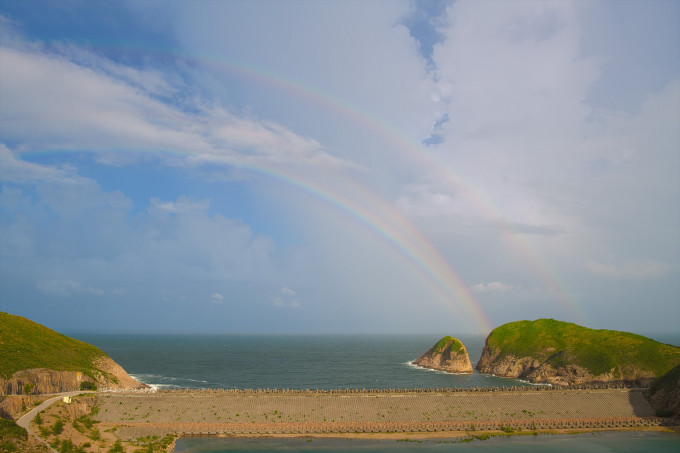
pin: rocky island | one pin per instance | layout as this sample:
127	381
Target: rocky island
448	354
35	360
561	353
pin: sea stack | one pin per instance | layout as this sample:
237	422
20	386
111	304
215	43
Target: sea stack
448	354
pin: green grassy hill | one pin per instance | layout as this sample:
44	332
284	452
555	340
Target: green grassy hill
561	343
448	342
25	344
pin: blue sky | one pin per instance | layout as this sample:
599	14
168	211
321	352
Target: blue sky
306	167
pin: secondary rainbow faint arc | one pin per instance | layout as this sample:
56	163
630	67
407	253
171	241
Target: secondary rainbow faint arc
415	151
413	245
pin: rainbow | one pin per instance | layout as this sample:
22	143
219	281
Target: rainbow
378	215
431	260
388	223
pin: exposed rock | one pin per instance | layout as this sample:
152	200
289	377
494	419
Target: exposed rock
558	353
448	354
35	359
664	394
11	407
43	380
535	371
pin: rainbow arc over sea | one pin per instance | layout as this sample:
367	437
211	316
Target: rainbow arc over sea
374	212
406	237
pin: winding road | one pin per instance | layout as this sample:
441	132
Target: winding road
25	420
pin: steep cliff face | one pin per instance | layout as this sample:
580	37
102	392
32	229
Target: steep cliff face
560	353
35	360
42	380
448	354
12	407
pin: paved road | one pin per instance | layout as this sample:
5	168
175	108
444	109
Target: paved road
25	421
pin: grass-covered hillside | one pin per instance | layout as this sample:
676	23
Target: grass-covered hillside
448	342
561	344
25	344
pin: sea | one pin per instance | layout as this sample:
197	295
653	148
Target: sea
332	362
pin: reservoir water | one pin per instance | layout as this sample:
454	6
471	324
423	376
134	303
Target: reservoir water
628	442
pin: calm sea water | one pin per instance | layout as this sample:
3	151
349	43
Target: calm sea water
289	361
285	361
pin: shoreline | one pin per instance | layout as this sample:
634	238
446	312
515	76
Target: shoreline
452	437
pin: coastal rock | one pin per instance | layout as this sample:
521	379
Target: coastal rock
35	360
43	380
448	354
664	394
559	353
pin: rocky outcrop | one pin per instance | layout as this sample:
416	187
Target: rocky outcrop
11	407
664	394
43	380
35	359
448	354
539	372
559	353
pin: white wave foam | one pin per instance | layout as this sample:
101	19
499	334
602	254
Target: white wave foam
157	381
418	367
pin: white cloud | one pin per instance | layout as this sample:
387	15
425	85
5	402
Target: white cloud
16	170
278	302
84	102
491	287
526	181
66	288
284	299
217	298
631	270
76	227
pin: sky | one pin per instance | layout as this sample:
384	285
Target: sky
340	166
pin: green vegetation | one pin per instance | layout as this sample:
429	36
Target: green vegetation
117	447
12	436
10	431
26	344
154	444
663	393
67	446
598	351
448	342
666	382
87	385
58	427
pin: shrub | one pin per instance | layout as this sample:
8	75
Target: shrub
87	385
117	447
94	434
10	430
8	447
58	428
28	388
663	413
